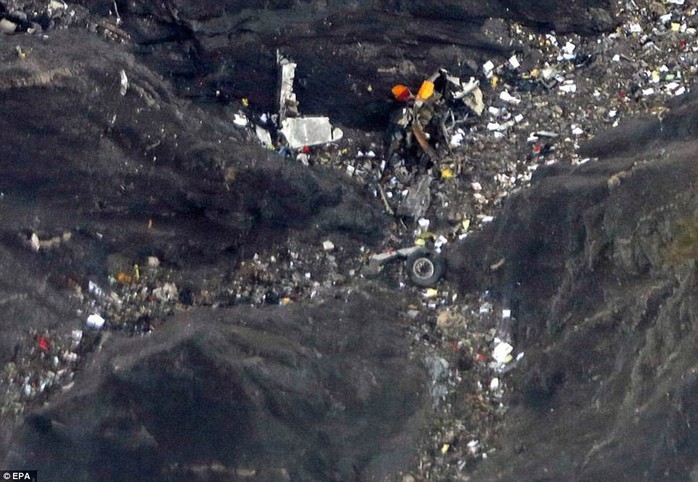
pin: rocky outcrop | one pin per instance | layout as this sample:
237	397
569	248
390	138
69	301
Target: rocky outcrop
137	171
103	161
321	392
600	270
225	51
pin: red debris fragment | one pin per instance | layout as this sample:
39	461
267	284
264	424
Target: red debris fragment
401	93
43	344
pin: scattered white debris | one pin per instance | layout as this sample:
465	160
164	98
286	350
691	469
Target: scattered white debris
634	28
95	321
507	97
309	131
69	357
440	241
494	384
457	138
95	290
123	82
240	119
552	39
166	292
264	137
34	242
502	351
568	51
568	86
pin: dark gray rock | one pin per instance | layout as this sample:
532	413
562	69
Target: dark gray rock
288	393
224	51
82	158
600	272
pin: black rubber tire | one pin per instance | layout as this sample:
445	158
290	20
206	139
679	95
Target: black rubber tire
425	269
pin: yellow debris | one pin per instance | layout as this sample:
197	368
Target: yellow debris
445	448
431	293
446	172
426	90
494	81
420	242
245	102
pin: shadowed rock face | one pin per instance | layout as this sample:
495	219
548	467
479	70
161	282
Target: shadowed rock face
218	51
287	393
600	265
147	173
81	157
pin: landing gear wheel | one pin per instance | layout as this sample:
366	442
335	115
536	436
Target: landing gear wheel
425	269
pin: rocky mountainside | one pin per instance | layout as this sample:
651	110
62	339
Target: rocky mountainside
180	303
290	393
600	265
